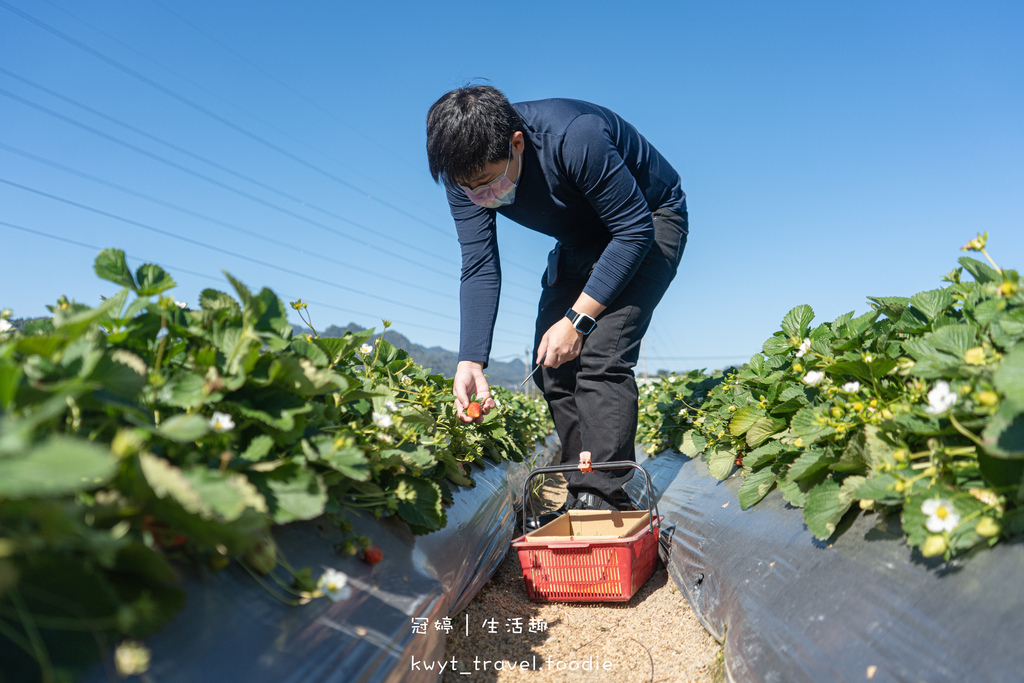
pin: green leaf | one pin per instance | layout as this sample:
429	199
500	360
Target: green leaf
183	428
153	280
808	463
1003	472
300	376
757	363
932	303
424	513
982	272
350	461
121	372
805	424
755	486
214	300
1009	376
763	454
59	466
762	429
410	455
111	265
796	322
988	311
743	418
824	508
795	491
10	379
1003	435
891	306
195	501
792	399
721	463
879	487
259	448
917	425
244	294
209	494
693	443
776	345
954	339
854	368
293	492
186	391
311	351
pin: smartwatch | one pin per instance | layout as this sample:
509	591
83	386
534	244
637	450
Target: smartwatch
583	323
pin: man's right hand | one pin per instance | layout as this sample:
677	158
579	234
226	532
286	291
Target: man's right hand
469	380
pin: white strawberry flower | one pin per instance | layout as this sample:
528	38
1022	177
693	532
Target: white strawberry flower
5	326
805	346
181	304
940	399
221	422
851	387
382	420
390	406
366	349
942	515
334	584
814	377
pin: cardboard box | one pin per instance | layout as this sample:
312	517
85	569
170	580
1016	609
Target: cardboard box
591	525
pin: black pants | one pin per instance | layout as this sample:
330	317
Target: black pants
593	399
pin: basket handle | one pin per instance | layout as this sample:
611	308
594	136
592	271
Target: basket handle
652	505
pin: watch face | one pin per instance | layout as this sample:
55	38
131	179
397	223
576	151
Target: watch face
585	324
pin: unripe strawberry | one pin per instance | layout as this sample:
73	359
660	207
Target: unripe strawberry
262	557
933	545
987	527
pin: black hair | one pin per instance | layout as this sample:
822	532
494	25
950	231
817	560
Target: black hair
468	128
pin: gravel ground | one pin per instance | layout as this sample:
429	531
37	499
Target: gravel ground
653	637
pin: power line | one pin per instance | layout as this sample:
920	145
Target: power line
224	121
205	160
230	226
280	82
224	186
177	269
139	150
211	114
228	252
221	250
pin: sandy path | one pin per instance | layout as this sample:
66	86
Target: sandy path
653	637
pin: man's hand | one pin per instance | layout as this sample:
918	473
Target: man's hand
469	380
560	344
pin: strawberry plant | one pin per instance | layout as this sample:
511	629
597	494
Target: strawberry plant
141	438
914	408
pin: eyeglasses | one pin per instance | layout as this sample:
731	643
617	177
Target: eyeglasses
485	194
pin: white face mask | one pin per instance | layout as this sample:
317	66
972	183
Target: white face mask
499	192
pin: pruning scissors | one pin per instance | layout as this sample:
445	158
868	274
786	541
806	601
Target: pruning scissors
534	371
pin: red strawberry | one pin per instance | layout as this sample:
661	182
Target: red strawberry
474	410
373	555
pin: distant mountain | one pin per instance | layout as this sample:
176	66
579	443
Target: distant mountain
441	361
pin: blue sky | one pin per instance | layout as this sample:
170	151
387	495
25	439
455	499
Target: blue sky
829	151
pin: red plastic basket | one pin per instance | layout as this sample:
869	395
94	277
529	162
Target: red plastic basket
606	570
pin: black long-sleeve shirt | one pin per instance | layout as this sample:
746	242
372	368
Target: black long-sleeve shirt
588	178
